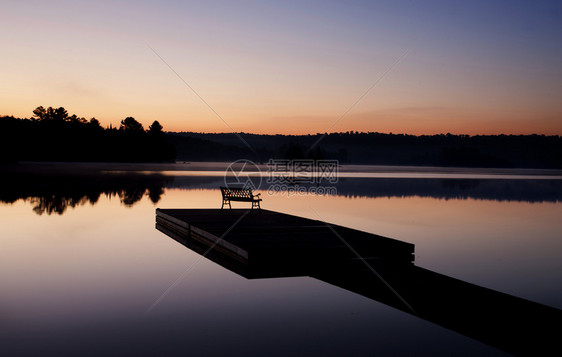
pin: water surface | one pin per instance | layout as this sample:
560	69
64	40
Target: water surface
82	266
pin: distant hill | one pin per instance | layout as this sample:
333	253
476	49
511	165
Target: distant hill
522	151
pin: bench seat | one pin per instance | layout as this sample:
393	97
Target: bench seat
239	194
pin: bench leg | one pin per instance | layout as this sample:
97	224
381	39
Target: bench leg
224	201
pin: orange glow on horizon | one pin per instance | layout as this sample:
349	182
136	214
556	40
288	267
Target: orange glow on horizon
383	122
420	126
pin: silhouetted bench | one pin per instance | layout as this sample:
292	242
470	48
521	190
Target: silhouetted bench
239	194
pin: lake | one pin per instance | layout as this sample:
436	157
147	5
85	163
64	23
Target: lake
84	271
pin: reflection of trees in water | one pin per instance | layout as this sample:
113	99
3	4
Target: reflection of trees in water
56	204
460	189
54	194
155	193
129	198
59	203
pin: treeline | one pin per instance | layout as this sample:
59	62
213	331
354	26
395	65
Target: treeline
509	151
54	135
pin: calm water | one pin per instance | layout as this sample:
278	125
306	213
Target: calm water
83	270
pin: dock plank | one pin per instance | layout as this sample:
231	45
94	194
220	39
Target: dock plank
268	233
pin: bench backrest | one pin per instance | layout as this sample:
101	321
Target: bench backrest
236	192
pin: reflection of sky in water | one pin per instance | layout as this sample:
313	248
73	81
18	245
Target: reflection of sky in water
88	276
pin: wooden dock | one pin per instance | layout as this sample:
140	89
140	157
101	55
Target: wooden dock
267	244
265	241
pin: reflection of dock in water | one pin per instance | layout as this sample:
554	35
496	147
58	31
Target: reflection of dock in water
266	244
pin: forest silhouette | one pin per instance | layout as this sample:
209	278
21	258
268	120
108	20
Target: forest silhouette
54	135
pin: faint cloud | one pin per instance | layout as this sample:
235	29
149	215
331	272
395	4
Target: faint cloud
78	89
409	110
69	87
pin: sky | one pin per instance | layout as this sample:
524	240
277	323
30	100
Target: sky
289	67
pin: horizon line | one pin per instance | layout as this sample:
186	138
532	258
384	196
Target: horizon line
355	132
111	125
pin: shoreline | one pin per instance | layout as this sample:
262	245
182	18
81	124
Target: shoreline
202	168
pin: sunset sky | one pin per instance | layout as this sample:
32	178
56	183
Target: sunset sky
290	67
